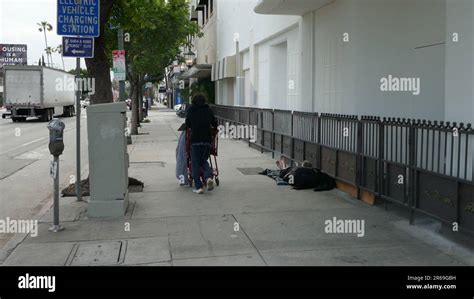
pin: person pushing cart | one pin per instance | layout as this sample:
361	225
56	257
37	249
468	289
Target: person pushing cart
201	123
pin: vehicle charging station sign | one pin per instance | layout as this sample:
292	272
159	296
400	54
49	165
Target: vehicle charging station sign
78	17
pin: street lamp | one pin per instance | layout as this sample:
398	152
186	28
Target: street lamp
189	56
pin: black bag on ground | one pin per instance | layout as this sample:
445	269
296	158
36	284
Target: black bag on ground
307	178
325	182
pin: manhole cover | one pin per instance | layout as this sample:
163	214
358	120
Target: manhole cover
98	254
250	170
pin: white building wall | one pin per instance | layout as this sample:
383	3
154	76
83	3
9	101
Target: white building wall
382	36
205	46
459	100
460	61
333	59
236	16
278	74
402	38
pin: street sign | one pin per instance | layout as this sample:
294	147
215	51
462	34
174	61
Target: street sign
12	54
78	47
81	19
119	65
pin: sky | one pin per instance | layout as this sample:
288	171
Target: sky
18	25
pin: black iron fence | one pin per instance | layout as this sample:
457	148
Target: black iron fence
422	165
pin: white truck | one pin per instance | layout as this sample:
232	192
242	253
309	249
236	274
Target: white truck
38	91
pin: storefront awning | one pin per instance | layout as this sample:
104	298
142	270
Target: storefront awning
198	71
288	7
224	68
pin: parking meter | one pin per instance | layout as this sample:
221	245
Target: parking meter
56	147
56	130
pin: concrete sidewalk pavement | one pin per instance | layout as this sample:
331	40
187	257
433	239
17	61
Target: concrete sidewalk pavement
247	220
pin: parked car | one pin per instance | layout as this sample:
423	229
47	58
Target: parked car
129	103
182	110
177	107
85	103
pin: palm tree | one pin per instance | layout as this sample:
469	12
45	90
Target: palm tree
43	27
59	50
49	52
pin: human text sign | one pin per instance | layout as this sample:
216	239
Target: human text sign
78	47
79	17
11	54
119	66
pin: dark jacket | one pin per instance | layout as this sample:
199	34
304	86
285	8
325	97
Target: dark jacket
200	119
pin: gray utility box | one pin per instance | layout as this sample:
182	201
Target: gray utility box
108	160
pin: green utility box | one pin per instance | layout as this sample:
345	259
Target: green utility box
108	160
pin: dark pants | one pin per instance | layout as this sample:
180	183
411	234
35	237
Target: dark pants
199	155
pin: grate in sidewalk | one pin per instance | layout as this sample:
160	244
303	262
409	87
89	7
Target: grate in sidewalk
97	253
250	170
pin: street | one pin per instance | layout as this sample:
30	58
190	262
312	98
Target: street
25	184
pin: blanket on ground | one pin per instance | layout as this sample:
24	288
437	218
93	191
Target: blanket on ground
275	174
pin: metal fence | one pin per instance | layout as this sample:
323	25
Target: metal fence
422	165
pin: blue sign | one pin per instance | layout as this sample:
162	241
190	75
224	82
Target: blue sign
79	17
179	100
78	47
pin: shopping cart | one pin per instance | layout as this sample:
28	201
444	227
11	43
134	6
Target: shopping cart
212	159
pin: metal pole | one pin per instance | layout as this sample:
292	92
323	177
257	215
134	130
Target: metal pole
121	47
238	75
78	133
56	227
56	192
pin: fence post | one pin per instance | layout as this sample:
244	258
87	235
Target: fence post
249	125
319	154
262	132
412	172
273	134
292	140
359	161
380	177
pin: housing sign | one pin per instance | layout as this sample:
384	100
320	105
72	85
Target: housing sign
11	54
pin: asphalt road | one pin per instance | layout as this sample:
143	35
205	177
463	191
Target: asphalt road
25	184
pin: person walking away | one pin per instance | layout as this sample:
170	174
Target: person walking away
200	119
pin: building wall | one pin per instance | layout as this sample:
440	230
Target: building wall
382	37
205	46
255	35
278	71
402	38
459	100
460	61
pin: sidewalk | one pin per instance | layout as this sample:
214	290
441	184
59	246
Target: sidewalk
169	225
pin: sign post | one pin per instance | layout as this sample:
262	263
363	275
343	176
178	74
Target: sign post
79	19
121	82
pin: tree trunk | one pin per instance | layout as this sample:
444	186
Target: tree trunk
99	66
140	100
134	96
